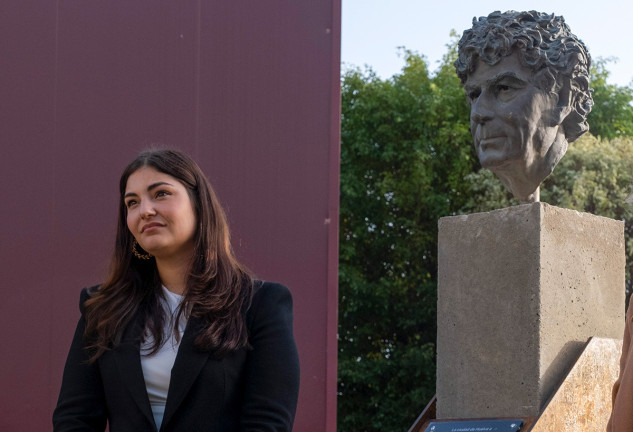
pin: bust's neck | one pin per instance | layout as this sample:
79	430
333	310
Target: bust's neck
523	179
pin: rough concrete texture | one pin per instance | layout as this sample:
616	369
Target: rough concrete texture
520	291
583	400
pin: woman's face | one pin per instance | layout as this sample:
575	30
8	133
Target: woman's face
160	214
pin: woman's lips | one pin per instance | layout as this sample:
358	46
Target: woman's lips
151	226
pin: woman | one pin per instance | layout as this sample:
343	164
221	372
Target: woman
179	338
621	419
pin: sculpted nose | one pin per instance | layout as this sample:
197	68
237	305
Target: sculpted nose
480	112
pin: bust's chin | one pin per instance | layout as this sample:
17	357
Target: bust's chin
519	177
495	164
523	187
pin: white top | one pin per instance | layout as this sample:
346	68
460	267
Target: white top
157	367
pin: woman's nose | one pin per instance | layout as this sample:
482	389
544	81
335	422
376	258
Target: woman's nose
147	208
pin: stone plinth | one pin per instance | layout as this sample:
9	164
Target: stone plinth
520	291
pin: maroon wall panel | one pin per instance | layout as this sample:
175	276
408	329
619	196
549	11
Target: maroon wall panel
250	89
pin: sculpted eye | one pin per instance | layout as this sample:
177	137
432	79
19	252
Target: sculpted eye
473	95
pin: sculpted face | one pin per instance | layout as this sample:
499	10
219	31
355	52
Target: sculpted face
516	132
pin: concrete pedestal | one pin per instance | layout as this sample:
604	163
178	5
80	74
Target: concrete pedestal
520	291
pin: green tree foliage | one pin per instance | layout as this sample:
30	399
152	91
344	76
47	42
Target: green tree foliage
596	176
612	113
405	151
407	160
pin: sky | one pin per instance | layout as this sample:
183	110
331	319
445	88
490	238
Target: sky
372	30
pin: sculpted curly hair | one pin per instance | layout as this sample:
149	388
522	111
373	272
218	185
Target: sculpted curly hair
545	44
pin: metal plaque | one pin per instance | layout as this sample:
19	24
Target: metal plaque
476	426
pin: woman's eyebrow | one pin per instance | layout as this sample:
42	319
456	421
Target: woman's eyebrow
157	184
149	188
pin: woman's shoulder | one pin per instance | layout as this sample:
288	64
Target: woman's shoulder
261	287
269	291
269	296
85	294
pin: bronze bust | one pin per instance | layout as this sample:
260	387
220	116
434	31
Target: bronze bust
526	78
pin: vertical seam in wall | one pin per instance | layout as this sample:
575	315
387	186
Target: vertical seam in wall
197	71
56	70
333	216
51	310
541	218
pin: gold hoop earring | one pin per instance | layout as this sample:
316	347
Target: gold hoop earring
137	254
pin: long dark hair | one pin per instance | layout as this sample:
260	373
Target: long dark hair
219	289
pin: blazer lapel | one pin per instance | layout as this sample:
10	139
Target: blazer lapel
128	360
187	366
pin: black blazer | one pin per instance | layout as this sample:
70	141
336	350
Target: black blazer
248	390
